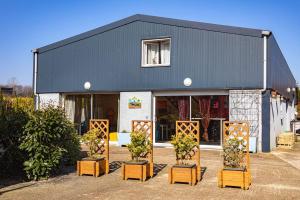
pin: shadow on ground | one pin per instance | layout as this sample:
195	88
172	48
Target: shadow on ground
113	166
17	187
203	170
158	168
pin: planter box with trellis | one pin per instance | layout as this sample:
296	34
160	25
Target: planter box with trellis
140	147
186	144
97	139
236	169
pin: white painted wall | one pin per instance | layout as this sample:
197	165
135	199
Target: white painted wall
281	115
275	120
127	115
49	98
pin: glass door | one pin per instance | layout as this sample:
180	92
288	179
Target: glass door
169	109
105	106
211	111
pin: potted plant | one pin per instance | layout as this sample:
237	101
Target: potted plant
235	171
137	167
233	153
185	146
123	138
95	164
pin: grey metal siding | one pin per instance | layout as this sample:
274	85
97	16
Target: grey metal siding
266	144
279	75
111	61
158	20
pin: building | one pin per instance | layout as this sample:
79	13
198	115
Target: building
6	91
161	69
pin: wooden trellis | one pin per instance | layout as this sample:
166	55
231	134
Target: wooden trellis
236	177
191	127
103	149
238	130
146	127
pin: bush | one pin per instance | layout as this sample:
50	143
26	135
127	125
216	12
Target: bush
24	103
234	153
92	140
184	144
49	139
139	146
14	115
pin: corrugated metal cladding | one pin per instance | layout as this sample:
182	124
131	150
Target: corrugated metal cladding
279	76
111	61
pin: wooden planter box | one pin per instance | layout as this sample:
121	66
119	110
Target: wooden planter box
88	166
235	178
286	140
183	174
136	170
297	137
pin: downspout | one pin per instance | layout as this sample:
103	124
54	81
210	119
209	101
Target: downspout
35	95
265	35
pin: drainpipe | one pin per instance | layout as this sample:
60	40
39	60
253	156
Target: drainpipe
265	35
35	63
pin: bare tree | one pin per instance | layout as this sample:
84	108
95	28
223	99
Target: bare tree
19	90
12	82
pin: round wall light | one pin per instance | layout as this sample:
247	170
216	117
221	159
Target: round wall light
281	98
87	85
288	90
187	82
293	89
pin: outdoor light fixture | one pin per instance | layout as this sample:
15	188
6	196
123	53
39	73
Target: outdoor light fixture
288	90
293	89
187	82
281	98
87	85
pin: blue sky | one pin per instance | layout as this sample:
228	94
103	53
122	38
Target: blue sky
28	24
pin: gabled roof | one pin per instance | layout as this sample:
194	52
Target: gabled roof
157	20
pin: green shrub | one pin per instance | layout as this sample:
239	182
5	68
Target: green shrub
139	146
24	103
49	139
92	141
234	153
13	117
184	144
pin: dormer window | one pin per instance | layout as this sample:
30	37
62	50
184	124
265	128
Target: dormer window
156	52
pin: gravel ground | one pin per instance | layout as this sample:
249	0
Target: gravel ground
275	176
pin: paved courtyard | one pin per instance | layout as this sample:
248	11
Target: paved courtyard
275	175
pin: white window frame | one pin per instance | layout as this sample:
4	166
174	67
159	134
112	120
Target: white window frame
143	55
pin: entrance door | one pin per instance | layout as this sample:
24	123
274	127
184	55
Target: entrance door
105	106
81	108
168	110
211	111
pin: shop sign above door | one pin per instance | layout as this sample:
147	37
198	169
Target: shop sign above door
134	103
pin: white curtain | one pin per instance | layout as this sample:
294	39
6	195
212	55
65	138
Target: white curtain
70	107
152	53
165	52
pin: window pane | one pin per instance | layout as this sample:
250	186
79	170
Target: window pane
168	110
211	111
105	106
152	53
78	109
165	52
156	52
